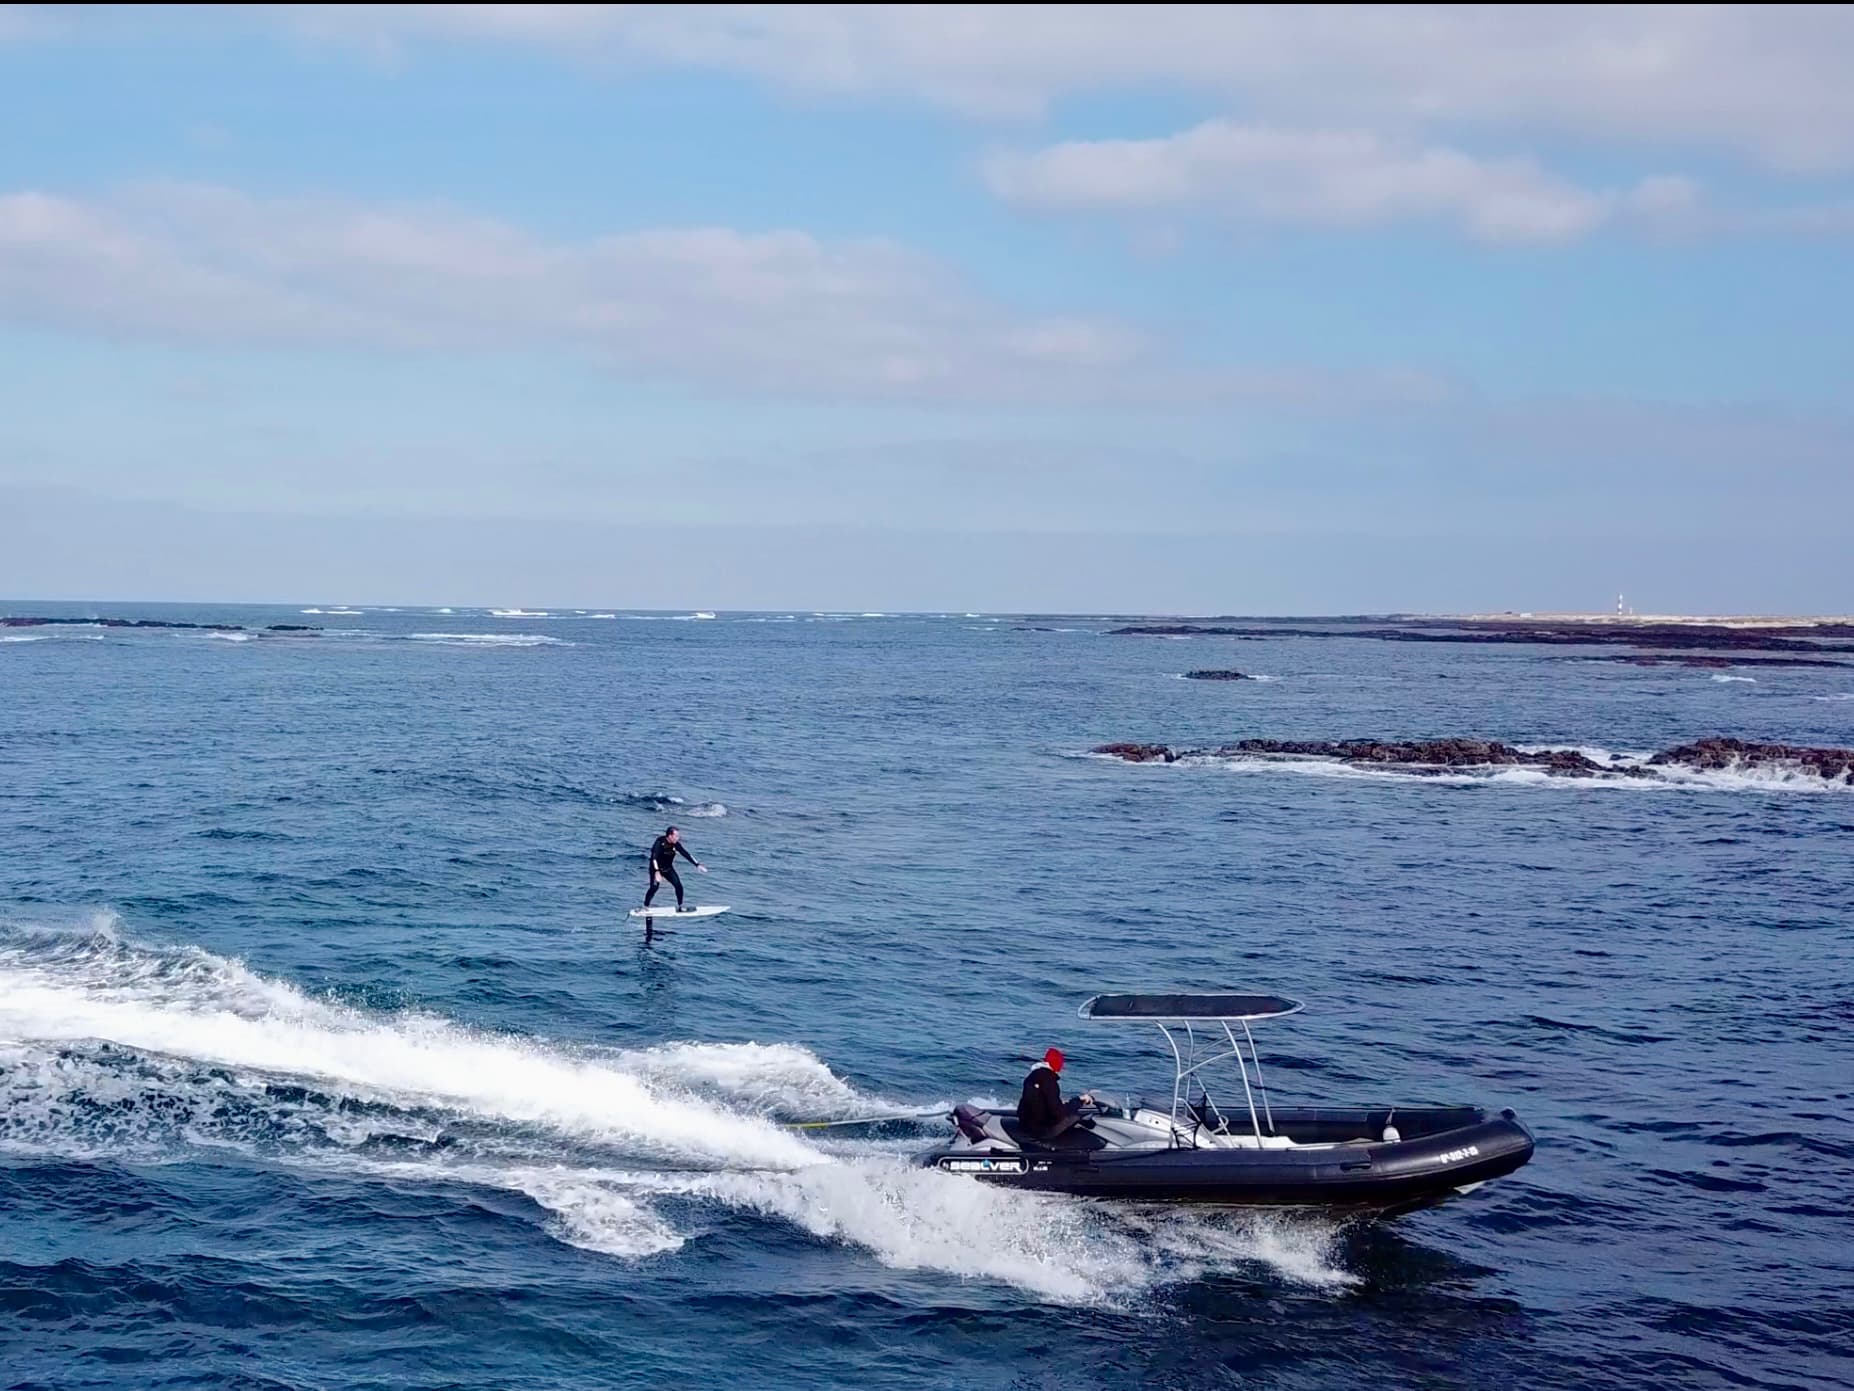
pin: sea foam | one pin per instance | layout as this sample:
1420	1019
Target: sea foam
111	1050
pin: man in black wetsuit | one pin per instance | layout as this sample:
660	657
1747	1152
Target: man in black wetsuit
1041	1111
663	852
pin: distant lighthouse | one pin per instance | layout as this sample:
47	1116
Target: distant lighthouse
1619	609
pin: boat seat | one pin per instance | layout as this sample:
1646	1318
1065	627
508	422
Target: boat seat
971	1123
987	1129
1249	1140
1079	1136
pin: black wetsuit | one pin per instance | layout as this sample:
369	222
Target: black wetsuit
1041	1110
663	861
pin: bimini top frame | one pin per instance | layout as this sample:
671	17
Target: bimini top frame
1169	1012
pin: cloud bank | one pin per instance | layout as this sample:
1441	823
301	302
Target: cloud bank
1767	83
780	312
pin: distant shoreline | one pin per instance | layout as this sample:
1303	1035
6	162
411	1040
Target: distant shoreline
20	612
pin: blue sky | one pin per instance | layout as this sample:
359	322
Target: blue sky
1111	308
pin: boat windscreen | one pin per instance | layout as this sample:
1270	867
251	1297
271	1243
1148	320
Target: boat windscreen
1180	1009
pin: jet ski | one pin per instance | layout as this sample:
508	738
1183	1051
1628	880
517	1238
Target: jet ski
1189	1148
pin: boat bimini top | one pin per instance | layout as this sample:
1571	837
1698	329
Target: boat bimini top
1189	1013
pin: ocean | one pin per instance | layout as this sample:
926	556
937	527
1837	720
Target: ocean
329	1059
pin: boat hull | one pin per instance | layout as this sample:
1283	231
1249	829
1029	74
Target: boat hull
1385	1178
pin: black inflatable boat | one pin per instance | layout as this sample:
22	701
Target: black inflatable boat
1379	1160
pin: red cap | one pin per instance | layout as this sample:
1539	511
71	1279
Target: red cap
1054	1058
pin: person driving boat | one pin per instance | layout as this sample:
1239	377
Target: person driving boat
1041	1111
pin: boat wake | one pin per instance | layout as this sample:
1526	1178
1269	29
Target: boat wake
113	1050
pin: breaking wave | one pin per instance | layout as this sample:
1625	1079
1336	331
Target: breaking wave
113	1050
1620	770
489	639
1662	779
663	801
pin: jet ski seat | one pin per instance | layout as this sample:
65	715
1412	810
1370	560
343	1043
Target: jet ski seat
971	1123
1080	1136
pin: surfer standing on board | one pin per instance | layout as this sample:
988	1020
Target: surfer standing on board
663	852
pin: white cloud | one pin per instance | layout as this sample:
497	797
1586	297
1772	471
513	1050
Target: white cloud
1675	207
1768	81
1304	177
1353	179
782	312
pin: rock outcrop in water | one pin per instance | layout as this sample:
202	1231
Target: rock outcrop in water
33	622
1138	753
1194	630
1213	675
1422	754
1642	659
1833	765
1431	756
1653	636
36	621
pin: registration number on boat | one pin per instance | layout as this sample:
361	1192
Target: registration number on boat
1455	1156
983	1166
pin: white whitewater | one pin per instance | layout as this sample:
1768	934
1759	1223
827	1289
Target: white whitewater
110	1049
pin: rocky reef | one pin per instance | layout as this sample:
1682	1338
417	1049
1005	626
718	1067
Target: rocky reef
1643	659
35	621
1832	765
1653	636
1432	756
1138	753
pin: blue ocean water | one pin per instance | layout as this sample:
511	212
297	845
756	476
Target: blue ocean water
328	1058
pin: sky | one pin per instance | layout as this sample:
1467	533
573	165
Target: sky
1039	308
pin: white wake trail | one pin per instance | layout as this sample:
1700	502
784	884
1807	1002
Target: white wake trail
214	1011
115	1051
